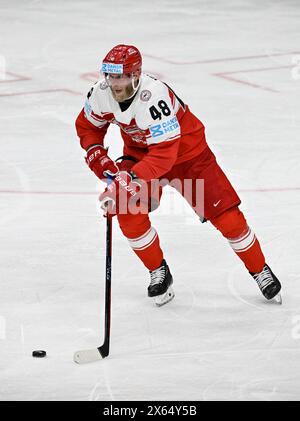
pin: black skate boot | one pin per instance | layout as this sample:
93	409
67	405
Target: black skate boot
160	285
268	283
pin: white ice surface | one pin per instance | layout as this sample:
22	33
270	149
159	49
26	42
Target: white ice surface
218	339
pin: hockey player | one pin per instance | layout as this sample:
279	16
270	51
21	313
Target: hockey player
162	139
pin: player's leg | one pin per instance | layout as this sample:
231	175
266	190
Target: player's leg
142	238
219	204
230	221
144	241
233	226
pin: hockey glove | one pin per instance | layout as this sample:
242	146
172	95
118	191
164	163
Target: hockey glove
100	163
122	195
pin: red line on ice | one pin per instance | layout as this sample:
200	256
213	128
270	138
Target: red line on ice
18	78
69	91
226	75
217	60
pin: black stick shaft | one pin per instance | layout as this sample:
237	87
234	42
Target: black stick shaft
108	279
104	349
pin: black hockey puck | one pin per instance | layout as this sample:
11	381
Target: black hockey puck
39	354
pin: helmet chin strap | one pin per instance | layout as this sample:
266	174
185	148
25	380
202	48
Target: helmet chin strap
134	88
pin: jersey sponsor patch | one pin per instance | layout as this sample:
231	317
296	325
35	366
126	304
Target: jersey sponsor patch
145	95
167	127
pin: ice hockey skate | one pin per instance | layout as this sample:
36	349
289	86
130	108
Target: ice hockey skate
160	285
268	284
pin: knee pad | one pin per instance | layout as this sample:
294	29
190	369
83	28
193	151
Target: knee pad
230	223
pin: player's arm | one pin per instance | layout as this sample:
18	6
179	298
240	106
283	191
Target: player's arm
163	140
88	133
91	130
158	161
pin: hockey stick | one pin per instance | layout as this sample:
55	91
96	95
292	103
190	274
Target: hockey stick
95	354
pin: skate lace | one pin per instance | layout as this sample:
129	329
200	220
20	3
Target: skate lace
263	278
157	276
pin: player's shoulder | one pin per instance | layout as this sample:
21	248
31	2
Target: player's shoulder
152	89
153	103
98	94
100	87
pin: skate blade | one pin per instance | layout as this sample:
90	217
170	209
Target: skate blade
277	298
165	298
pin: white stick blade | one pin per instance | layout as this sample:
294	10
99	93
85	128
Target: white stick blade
87	356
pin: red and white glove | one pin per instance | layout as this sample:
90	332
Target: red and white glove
121	195
100	163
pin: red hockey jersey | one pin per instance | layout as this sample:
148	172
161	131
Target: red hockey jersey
158	129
